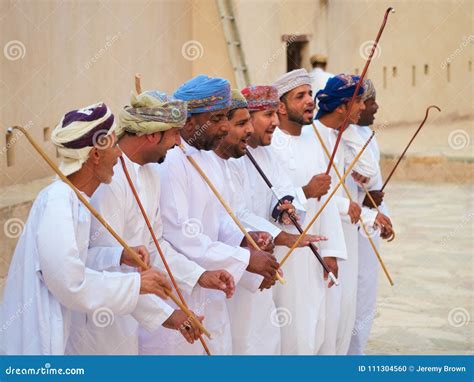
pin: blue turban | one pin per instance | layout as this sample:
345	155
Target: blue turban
338	90
204	94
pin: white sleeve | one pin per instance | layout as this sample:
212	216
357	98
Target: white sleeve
331	227
151	312
282	185
198	247
342	204
66	275
242	210
353	142
251	281
104	258
185	271
105	200
368	215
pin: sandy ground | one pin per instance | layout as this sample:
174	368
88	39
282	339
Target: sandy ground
430	309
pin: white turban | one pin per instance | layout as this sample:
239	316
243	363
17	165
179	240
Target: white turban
292	80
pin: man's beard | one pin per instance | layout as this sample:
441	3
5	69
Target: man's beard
162	159
299	119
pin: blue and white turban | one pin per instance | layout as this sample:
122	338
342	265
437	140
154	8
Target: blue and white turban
338	90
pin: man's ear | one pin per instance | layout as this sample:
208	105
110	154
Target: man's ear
94	156
281	108
341	109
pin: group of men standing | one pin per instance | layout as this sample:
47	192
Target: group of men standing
68	271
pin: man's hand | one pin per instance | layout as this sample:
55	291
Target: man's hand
267	284
287	209
384	223
318	186
152	281
354	212
186	326
288	239
376	195
128	259
331	262
219	280
263	240
359	178
262	263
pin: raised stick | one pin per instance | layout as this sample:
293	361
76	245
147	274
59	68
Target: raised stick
297	242
157	245
372	244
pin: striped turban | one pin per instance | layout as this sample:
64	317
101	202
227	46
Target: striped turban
369	90
79	131
238	101
151	112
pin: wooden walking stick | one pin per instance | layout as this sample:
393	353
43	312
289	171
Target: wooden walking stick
372	244
409	143
94	212
249	238
345	123
293	219
349	170
157	245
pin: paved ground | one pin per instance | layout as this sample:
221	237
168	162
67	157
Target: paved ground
430	309
442	137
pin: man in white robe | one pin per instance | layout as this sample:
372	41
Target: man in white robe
255	329
319	75
194	221
302	159
49	277
145	137
368	264
333	102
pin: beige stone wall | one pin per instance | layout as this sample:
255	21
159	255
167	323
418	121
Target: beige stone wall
60	55
420	33
63	54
